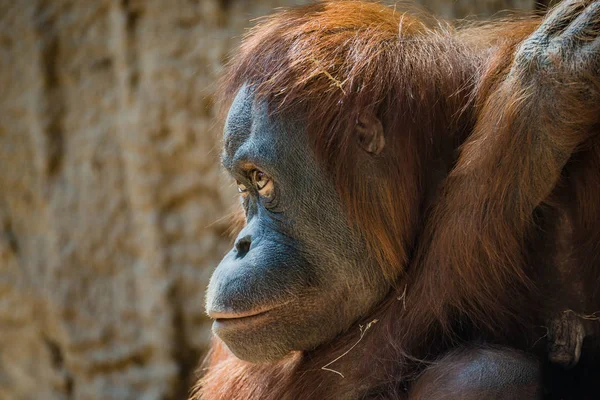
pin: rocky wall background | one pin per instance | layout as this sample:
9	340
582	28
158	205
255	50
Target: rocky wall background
111	198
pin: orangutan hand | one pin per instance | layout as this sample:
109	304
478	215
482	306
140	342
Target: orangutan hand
561	59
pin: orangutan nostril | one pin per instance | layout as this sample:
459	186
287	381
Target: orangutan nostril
242	246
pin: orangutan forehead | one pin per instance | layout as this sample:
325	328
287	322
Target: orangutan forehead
253	135
238	125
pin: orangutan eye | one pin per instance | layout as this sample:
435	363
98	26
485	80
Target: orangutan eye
241	187
260	179
262	183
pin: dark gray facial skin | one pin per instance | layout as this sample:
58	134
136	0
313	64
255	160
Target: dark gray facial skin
297	275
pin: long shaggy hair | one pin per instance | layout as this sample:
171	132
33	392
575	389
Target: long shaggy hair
426	82
339	59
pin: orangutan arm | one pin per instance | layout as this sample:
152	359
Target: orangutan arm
534	114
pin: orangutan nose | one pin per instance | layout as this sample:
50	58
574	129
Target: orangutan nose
242	246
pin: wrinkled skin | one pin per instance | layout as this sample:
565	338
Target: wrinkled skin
296	256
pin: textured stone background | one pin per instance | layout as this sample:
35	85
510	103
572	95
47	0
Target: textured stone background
111	199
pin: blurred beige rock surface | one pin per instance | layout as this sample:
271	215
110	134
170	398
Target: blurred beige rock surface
111	198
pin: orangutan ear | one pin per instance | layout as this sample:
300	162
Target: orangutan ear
369	133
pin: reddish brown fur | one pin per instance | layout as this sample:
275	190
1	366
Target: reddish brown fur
318	58
336	59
